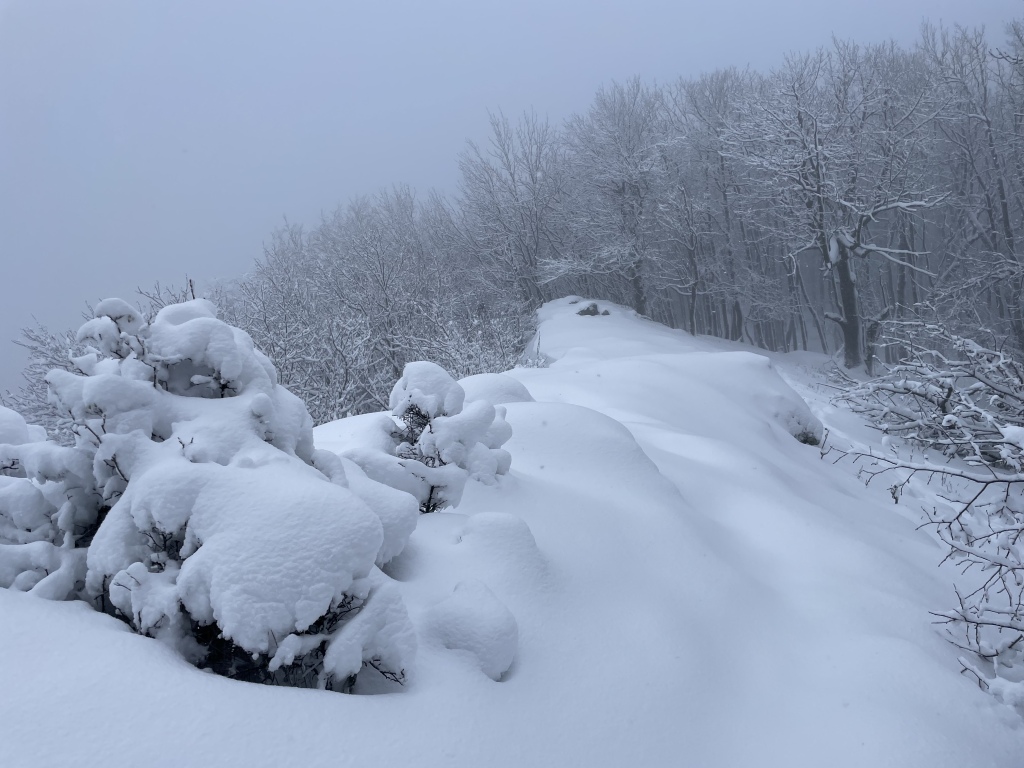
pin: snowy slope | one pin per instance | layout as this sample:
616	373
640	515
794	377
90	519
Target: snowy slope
691	586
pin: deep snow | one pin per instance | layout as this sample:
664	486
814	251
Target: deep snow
681	582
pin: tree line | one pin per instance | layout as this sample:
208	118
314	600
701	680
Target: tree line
797	209
800	208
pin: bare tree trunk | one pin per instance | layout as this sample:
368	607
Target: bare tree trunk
851	322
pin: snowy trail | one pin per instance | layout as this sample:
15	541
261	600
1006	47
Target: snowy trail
826	648
693	587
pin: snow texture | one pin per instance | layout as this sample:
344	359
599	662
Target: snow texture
473	620
495	388
690	586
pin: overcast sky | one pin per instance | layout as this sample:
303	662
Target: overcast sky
143	141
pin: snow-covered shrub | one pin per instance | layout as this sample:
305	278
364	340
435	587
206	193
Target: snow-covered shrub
48	350
341	308
222	531
433	441
49	511
961	405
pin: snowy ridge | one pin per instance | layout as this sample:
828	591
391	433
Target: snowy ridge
675	578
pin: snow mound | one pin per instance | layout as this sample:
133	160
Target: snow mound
753	380
662	572
503	547
495	388
473	620
396	510
665	374
13	429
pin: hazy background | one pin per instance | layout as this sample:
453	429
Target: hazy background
144	141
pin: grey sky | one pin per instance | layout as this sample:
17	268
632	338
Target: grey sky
144	141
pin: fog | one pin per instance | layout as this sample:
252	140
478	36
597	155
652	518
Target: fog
143	142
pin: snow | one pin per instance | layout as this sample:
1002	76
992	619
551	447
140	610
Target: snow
13	429
272	559
473	620
397	511
664	577
495	388
427	387
1013	434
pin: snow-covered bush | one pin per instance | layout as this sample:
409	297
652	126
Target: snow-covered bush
48	350
432	442
221	530
961	405
341	308
49	511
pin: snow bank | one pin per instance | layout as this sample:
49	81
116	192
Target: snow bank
473	620
688	583
495	388
13	429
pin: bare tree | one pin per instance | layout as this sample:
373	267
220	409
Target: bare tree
615	155
828	144
512	199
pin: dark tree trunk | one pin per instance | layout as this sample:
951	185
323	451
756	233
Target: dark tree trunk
636	284
852	356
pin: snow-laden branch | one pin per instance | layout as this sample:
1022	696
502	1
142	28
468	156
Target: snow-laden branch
961	405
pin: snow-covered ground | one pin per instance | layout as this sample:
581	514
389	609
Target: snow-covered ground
690	584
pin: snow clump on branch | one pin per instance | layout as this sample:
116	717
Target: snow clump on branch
961	406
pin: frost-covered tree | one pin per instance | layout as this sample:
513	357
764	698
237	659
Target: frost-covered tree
979	161
614	151
513	207
835	141
340	309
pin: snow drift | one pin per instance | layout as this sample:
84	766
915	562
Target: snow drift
665	576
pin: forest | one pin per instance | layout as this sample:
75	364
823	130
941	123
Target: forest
819	206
